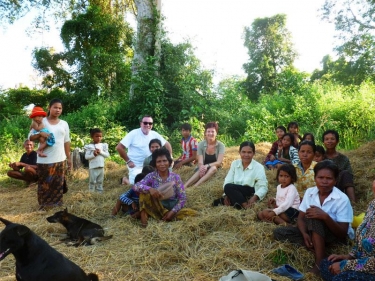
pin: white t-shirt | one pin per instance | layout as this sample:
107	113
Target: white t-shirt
285	198
336	205
137	144
56	153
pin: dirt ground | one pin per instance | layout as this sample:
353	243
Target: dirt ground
205	247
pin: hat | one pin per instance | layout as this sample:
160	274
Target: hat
37	111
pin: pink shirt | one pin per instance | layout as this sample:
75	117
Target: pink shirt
285	198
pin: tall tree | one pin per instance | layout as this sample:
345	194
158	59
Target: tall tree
270	50
355	25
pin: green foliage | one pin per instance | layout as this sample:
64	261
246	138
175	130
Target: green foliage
270	50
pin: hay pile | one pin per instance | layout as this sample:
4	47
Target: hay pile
206	247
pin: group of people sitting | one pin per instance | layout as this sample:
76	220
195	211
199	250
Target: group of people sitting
312	203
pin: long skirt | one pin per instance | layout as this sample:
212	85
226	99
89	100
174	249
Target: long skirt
51	184
157	209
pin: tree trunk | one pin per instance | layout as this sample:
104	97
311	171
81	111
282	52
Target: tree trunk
148	34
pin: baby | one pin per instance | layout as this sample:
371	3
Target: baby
37	126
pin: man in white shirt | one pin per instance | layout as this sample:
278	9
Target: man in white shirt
134	147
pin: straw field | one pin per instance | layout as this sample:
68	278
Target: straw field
205	247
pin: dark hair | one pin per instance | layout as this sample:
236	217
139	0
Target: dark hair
247	143
154	141
186	127
327	164
212	125
27	141
148	116
139	177
94	131
147	169
333	132
160	152
293	123
308	134
281	128
291	136
52	102
307	142
287	168
320	149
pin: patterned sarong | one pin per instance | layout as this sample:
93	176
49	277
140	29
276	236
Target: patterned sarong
51	183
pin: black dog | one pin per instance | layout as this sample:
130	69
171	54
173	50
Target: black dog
35	259
81	231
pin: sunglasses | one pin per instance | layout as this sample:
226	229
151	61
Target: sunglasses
147	123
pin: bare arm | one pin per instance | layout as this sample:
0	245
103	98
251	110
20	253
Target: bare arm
67	154
169	148
121	149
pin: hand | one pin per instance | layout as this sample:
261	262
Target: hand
169	216
69	164
271	203
226	201
334	257
335	268
202	170
131	164
307	240
134	206
177	166
315	212
155	193
44	135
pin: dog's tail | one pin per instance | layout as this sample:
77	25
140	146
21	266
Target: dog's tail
93	277
99	239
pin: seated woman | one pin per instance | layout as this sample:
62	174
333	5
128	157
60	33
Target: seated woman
246	181
162	193
305	167
210	156
271	156
325	215
359	264
345	180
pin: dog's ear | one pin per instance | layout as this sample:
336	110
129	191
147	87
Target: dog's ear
23	230
4	221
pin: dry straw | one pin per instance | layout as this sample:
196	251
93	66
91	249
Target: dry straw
205	247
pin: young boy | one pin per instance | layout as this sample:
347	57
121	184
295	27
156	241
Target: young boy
37	126
189	148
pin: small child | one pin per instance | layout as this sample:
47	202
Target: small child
309	137
285	206
320	154
293	129
271	156
96	152
128	201
37	127
189	148
286	154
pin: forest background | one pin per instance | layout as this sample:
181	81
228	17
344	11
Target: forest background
110	75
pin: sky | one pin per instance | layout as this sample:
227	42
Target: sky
214	27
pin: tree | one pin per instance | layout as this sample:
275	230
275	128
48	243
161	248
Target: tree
96	59
270	50
355	25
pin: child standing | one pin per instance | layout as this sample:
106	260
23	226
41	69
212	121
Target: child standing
96	152
271	156
189	148
285	205
37	126
293	128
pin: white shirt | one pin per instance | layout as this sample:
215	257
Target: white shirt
56	153
137	144
285	198
98	160
336	205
